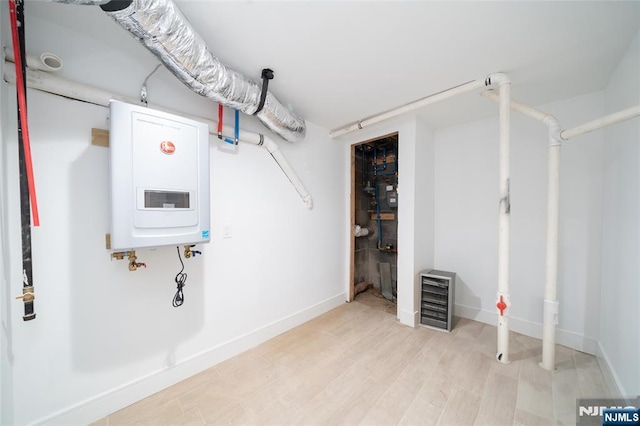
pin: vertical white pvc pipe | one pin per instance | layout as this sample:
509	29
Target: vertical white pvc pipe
551	304
550	316
503	302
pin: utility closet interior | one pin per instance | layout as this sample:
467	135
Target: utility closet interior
375	183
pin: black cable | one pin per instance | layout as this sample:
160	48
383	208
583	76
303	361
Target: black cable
267	75
25	205
181	280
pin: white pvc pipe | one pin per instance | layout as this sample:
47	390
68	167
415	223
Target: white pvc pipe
504	303
360	231
601	122
279	158
550	316
437	97
45	62
517	106
608	120
551	304
69	89
55	85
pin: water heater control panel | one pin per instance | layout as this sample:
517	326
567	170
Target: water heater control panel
159	165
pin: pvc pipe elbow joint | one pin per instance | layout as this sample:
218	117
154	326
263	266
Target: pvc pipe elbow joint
270	145
308	201
555	137
497	78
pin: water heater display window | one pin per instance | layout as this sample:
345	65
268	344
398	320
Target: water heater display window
166	200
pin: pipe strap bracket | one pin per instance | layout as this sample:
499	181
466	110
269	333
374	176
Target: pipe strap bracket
550	315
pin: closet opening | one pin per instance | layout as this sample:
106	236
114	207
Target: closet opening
374	222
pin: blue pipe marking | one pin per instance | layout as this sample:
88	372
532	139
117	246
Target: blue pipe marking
378	215
237	129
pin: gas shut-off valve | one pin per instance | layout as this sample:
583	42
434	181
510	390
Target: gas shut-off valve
131	256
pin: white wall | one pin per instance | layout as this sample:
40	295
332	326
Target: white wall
620	316
105	337
424	220
414	245
6	383
466	219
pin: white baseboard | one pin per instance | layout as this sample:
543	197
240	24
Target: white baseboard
609	373
102	405
408	317
566	338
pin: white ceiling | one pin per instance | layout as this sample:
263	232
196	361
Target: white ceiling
338	62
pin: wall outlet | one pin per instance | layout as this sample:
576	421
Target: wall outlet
226	231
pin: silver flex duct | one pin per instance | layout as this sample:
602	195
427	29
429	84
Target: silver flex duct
162	28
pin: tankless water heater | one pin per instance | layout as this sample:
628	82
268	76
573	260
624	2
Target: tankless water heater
159	178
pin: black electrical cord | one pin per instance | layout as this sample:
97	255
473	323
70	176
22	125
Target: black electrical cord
267	75
17	11
181	280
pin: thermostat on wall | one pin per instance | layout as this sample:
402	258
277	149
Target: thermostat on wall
159	178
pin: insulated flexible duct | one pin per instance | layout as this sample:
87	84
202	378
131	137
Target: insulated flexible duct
162	28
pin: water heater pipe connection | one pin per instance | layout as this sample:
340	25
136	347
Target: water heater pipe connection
188	253
131	257
49	83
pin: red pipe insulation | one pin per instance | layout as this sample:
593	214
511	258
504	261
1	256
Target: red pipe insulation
22	106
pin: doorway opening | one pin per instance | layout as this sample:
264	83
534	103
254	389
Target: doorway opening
374	222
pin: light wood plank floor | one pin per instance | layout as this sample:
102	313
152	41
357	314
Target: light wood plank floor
357	365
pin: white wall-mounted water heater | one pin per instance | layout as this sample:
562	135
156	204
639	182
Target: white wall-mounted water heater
159	178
